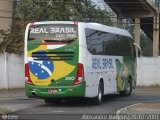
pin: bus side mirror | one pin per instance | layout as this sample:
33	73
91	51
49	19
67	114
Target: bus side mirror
138	50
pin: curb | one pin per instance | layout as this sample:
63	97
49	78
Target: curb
125	108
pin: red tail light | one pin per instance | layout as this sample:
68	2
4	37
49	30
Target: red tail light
27	76
80	74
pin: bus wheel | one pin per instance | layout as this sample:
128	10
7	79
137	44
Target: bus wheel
98	99
128	90
49	101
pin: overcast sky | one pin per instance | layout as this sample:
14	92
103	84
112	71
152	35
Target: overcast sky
99	3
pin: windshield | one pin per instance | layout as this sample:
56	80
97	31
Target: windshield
54	32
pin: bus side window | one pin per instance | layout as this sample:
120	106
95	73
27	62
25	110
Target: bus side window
94	41
109	44
105	43
123	47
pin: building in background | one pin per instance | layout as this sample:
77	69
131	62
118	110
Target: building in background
6	14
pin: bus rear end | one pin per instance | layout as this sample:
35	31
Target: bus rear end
52	69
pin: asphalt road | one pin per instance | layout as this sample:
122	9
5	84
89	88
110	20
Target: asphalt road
27	108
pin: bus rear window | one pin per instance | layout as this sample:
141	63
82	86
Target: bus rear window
53	32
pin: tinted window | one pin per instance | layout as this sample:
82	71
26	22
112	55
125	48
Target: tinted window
94	41
103	43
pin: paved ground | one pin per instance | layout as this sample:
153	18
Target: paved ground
143	100
12	93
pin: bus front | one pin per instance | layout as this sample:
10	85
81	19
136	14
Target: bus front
52	69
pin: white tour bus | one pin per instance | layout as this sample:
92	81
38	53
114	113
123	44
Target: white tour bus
76	59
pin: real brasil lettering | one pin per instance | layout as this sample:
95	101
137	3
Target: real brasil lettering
102	63
66	30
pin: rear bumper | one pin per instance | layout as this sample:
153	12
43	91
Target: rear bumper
65	91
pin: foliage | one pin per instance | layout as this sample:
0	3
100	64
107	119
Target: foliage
61	10
50	10
12	40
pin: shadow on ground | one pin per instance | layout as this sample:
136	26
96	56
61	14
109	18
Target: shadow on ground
81	102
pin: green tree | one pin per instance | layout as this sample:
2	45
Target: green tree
49	10
61	10
12	40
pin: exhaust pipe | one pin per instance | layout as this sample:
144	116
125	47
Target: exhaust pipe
34	93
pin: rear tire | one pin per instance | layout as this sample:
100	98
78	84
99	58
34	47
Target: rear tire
128	90
98	99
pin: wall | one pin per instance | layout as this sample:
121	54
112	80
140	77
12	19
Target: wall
6	12
15	71
2	81
15	66
148	71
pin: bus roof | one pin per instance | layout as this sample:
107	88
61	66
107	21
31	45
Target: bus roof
96	26
106	28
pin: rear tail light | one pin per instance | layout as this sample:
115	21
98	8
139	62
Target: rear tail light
80	74
27	76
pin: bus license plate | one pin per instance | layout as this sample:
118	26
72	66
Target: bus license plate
51	90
